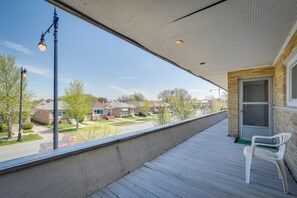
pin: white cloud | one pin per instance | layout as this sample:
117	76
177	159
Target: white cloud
125	91
122	90
17	47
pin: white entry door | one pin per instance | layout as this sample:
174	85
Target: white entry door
255	107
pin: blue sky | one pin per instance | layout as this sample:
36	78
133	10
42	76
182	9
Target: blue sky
108	66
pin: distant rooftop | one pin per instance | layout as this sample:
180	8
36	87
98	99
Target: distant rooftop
50	106
116	104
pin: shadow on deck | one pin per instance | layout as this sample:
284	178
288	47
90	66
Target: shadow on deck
209	164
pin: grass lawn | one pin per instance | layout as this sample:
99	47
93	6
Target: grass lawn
28	131
61	126
4	134
123	123
145	119
25	138
131	118
92	133
104	121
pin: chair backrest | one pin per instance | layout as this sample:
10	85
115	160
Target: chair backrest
283	139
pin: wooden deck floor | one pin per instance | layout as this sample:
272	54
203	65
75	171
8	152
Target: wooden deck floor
207	165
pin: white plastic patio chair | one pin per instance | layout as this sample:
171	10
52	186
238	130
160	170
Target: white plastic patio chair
274	157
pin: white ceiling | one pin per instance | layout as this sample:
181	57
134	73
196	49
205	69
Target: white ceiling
231	35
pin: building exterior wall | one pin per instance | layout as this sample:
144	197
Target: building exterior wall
116	112
285	118
137	110
233	93
286	121
42	116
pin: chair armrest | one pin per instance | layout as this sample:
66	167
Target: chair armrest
262	137
262	144
254	144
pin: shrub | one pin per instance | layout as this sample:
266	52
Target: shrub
81	119
3	127
27	125
127	116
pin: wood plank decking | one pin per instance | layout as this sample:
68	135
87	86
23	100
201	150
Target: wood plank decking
207	165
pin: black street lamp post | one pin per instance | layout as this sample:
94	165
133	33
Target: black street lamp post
42	47
23	75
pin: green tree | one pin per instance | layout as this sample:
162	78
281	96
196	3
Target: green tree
77	104
123	98
137	96
165	95
217	105
183	106
163	117
10	92
146	107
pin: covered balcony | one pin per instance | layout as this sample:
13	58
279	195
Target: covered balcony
208	164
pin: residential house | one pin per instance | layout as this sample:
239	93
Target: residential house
119	109
98	110
138	106
155	106
44	113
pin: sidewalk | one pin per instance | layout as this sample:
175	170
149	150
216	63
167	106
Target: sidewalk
27	148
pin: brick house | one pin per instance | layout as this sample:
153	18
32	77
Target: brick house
138	106
98	110
119	109
44	113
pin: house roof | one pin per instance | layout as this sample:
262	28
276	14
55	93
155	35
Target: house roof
117	104
218	36
98	105
50	106
154	103
137	103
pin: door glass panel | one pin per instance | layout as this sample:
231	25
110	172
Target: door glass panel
255	115
255	91
294	82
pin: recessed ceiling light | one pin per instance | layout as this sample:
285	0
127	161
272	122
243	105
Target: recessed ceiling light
202	63
178	42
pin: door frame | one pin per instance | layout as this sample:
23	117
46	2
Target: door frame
270	102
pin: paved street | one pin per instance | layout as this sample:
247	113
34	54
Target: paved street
28	148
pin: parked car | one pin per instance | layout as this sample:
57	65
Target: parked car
140	114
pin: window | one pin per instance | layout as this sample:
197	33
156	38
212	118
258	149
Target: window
98	112
291	64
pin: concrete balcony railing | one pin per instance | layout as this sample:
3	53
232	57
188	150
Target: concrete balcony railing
81	170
